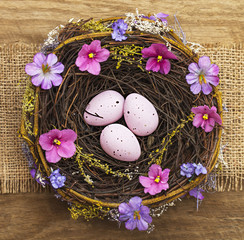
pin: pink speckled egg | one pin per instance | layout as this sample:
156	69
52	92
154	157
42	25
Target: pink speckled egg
140	115
104	108
120	143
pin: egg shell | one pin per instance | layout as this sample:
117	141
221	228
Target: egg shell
140	115
120	143
104	108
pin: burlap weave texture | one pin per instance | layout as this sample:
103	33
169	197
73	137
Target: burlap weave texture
14	172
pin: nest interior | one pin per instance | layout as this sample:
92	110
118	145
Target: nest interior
63	107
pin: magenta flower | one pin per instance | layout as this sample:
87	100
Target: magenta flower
134	214
45	70
158	55
90	56
206	117
202	75
157	180
58	144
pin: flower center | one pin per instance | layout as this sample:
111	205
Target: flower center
205	116
57	142
45	68
157	179
159	58
202	78
91	55
137	215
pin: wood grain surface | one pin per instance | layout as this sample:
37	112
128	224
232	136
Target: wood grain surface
204	21
41	216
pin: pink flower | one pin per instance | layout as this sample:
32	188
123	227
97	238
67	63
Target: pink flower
45	70
206	117
156	180
58	144
90	56
158	55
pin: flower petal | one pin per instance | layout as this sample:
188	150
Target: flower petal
152	64
197	120
162	15
209	125
56	79
51	59
214	80
142	225
94	67
194	68
196	88
164	175
200	109
66	149
145	181
169	55
52	155
130	224
144	212
46	142
204	63
32	69
84	51
82	63
102	55
95	46
154	171
216	118
68	135
149	52
39	59
124	208
206	88
165	66
55	133
57	68
46	83
135	203
37	79
213	70
192	78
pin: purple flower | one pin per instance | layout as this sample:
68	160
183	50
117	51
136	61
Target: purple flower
199	169
90	56
196	192
158	55
37	176
57	180
119	28
157	180
206	117
134	214
45	70
202	75
58	144
161	16
187	169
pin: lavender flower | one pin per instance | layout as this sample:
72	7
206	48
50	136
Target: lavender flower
119	28
56	179
202	75
45	70
187	169
196	192
134	214
199	169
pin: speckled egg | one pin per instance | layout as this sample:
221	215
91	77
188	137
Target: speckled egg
120	143
140	115
104	108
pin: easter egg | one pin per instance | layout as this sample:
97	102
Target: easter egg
120	143
104	108
140	115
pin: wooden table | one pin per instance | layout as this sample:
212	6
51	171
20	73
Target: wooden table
41	216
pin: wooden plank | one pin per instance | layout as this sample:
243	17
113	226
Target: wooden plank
204	21
42	216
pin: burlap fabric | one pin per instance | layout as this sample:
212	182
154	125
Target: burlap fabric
14	172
